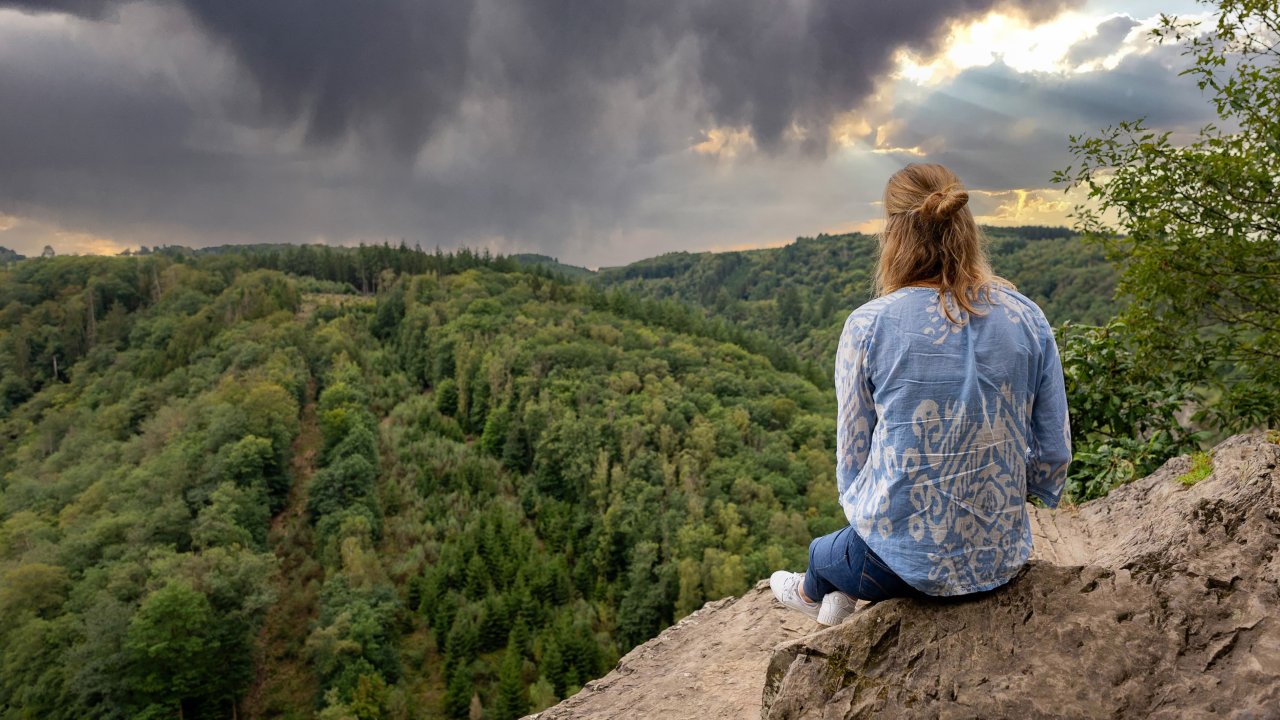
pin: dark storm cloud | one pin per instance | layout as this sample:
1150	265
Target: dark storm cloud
551	124
82	8
397	68
391	69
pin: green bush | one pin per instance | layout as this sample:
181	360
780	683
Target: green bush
1124	416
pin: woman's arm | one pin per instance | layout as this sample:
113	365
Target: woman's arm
856	414
1050	428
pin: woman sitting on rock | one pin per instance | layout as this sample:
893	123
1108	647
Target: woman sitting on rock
952	411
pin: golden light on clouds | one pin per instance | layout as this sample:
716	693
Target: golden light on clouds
850	128
748	245
29	236
82	243
1019	206
866	123
866	227
1024	206
725	142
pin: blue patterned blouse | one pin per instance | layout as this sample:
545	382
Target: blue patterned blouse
944	430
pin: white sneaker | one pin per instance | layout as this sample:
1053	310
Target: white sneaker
786	588
836	606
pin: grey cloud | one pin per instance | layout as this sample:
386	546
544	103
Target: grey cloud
81	8
767	64
1109	38
398	68
391	69
540	122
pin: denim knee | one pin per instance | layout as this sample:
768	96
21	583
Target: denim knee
813	549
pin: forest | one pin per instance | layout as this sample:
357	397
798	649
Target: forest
380	482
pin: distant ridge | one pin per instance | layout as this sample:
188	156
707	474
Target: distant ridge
573	272
802	292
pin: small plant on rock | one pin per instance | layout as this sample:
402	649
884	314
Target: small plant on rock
1201	466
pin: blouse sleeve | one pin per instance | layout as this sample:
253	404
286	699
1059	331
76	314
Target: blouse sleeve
856	414
1050	446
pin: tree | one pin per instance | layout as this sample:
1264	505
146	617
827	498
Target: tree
1196	225
789	306
346	482
1124	419
513	700
33	587
458	691
173	649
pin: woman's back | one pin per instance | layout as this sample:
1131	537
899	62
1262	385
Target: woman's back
951	409
944	429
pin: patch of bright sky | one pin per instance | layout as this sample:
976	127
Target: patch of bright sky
1026	47
28	237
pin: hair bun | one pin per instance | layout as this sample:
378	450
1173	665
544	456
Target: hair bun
943	204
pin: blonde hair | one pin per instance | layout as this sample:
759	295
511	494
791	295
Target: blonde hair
930	236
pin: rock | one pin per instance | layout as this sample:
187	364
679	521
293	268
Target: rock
1159	600
711	664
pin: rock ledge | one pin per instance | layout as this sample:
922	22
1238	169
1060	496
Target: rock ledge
1159	600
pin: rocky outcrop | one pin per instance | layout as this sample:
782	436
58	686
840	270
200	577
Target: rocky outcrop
1160	600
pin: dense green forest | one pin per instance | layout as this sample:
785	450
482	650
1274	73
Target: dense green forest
380	482
225	484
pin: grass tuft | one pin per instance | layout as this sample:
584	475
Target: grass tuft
1201	466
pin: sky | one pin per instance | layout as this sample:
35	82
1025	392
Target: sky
597	133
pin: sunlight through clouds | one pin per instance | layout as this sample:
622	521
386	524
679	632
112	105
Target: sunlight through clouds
1025	206
1024	46
28	237
725	142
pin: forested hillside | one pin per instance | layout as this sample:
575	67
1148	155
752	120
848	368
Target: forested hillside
233	482
802	292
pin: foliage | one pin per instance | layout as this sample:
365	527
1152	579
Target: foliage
516	478
138	480
1194	224
1124	419
1201	467
172	648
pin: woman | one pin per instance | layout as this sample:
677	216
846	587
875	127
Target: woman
951	411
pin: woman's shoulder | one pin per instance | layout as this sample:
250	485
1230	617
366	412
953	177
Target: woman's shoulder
904	304
866	314
1020	306
893	304
1010	294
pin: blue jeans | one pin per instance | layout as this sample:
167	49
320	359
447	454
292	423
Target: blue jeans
842	561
